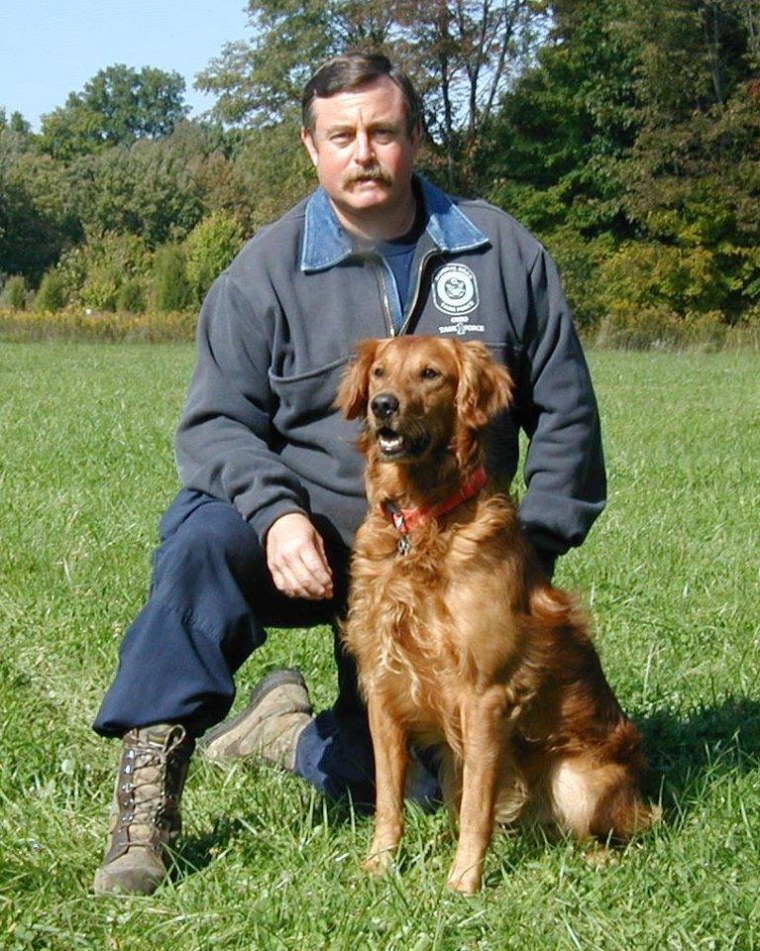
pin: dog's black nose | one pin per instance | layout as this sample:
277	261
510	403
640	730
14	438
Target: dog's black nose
384	405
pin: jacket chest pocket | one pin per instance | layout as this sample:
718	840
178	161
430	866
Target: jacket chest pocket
305	400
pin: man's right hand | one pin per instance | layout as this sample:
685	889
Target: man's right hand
296	558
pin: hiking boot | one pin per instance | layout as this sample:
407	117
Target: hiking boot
145	814
269	727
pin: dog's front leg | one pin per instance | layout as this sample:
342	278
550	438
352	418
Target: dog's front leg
485	729
389	741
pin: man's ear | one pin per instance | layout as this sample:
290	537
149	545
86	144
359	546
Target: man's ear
308	140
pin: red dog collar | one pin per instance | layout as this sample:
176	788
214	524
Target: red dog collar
405	520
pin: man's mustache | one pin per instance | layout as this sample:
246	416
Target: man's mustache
370	173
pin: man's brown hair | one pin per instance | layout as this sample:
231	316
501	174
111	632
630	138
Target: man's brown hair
351	71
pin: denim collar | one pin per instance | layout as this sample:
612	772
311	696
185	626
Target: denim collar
326	244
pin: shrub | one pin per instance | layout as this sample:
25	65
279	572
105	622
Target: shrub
52	292
209	248
14	292
657	328
171	288
101	289
131	296
95	272
661	277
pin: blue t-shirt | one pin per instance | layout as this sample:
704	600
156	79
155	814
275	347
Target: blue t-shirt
398	254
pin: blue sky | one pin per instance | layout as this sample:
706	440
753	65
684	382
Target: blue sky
49	48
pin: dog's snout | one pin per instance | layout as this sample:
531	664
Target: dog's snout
384	405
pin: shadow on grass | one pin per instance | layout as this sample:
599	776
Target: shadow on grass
194	853
685	755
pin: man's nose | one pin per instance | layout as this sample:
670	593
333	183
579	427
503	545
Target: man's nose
363	151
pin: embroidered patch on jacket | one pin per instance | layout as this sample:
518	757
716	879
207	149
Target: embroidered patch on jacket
455	290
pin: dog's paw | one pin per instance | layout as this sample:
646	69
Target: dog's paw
467	882
380	862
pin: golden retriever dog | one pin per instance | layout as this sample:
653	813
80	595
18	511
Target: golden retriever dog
460	639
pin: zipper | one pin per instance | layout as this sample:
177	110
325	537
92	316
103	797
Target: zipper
431	253
380	275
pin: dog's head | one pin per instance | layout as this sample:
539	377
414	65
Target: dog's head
419	395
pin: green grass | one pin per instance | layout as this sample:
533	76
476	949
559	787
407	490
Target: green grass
670	574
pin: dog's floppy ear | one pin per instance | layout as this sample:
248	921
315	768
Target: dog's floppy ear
485	387
353	392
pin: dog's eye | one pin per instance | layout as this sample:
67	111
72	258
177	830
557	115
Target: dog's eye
429	373
378	372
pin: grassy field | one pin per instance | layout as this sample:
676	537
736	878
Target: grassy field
671	574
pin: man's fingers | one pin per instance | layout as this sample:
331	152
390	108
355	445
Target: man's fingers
302	578
296	558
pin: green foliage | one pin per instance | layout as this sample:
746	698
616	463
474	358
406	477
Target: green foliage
209	248
461	55
14	293
52	292
17	123
95	272
275	172
38	218
171	287
131	297
146	190
625	137
631	150
117	107
258	80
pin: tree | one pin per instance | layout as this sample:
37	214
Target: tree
692	180
257	83
51	295
94	274
17	123
462	54
631	149
146	190
14	293
38	218
117	107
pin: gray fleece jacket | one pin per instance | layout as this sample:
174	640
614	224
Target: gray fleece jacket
277	329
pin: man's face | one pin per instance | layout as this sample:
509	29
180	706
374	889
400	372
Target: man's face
364	157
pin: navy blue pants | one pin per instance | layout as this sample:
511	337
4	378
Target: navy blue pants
210	602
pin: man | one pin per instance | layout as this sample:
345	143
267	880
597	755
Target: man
273	492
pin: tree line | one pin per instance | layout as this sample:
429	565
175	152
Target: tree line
624	134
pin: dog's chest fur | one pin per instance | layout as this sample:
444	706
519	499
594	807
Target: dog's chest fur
415	617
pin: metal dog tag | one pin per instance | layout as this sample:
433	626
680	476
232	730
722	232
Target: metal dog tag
403	545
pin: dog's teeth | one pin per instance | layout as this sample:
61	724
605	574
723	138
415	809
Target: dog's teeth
391	443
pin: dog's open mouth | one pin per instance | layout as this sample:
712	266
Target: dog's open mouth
394	445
